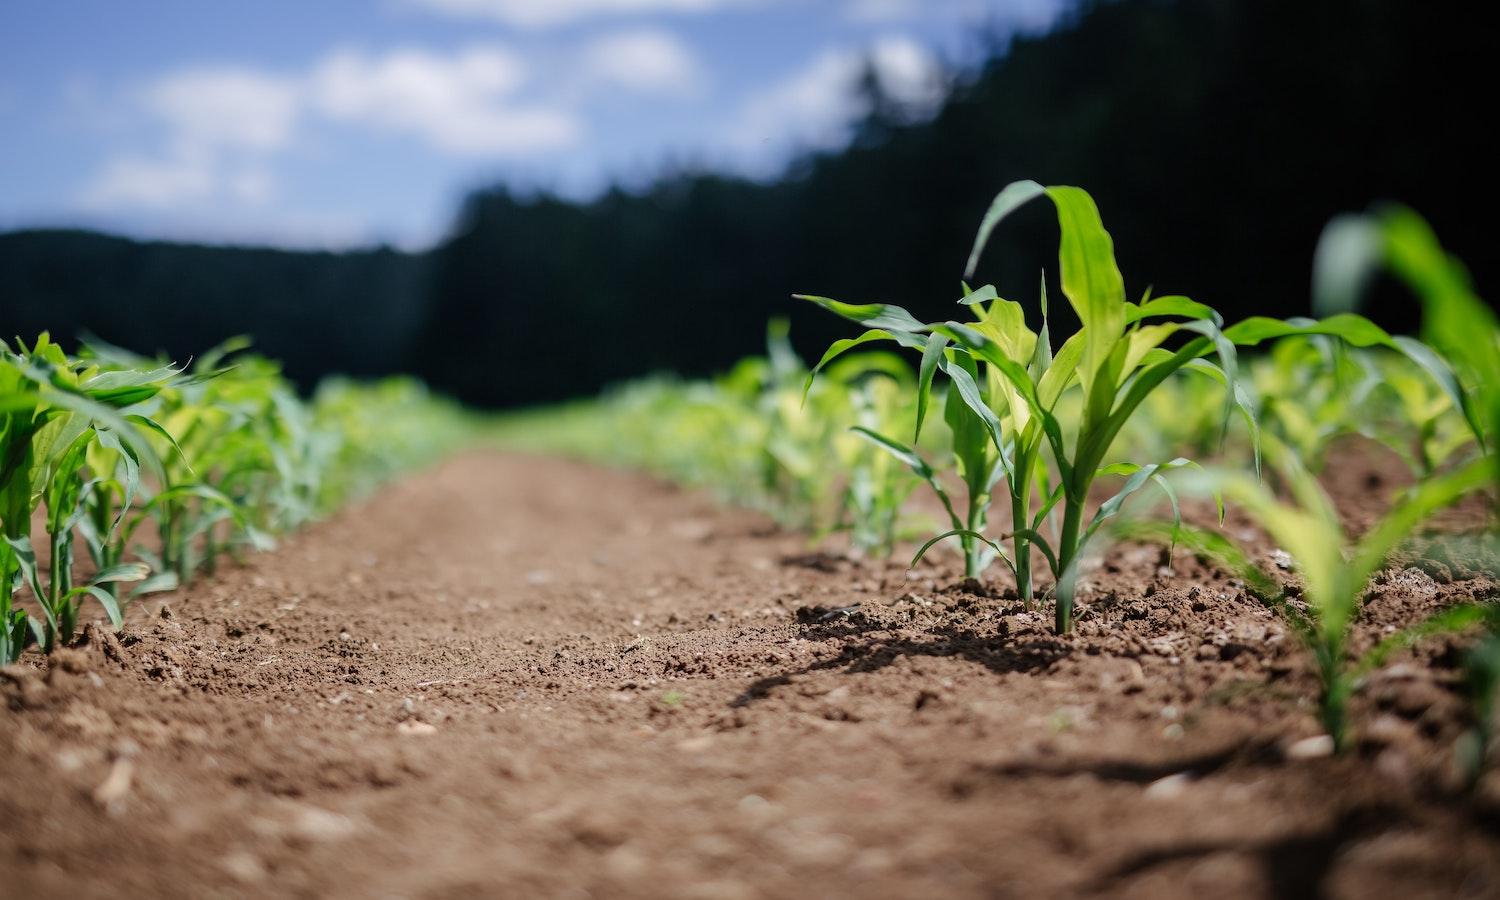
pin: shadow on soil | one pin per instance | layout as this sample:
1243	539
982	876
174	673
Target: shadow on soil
1296	866
1243	751
868	652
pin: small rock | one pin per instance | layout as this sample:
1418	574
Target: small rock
319	825
415	728
1315	747
111	793
1385	730
1281	558
1169	787
243	866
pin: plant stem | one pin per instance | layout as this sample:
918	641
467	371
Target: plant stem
1335	696
974	549
1020	514
1067	552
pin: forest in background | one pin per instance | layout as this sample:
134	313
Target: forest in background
1218	137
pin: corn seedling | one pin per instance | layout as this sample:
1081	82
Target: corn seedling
1455	320
879	485
107	442
55	410
1334	570
1313	389
1005	384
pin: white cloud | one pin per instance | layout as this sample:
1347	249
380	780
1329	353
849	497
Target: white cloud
175	181
224	126
815	106
648	61
881	10
463	104
553	13
218	140
1022	14
228	108
908	72
153	183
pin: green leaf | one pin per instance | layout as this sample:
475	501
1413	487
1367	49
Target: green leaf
1348	252
913	460
1455	619
1091	279
158	583
968	390
932	354
840	346
1412	509
871	315
1011	197
895	448
983	295
1138	476
1207	543
1170	306
106	600
124	572
1039	541
1353	328
960	532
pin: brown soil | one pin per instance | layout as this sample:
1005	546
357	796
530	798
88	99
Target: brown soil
514	676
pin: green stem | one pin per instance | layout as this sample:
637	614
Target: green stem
9	652
1335	699
973	548
1336	689
1067	552
60	582
1020	518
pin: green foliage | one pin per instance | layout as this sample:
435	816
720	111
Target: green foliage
1006	389
55	409
762	436
1334	568
110	446
1483	671
1455	321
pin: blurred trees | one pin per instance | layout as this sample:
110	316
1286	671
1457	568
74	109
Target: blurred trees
317	313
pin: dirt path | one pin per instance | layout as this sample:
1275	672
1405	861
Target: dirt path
524	677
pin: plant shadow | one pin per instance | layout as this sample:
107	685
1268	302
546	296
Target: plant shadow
869	648
1296	866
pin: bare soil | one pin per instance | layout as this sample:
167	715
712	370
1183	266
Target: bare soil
515	676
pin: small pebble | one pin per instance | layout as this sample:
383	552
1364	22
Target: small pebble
1315	747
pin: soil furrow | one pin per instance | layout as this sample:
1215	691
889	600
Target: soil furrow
517	676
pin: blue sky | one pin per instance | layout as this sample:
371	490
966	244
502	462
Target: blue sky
335	123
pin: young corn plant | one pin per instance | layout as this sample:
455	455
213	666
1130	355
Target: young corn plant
1312	390
1334	569
54	410
1419	422
1455	321
875	387
1005	383
250	460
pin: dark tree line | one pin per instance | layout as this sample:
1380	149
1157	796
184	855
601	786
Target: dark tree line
319	313
1218	137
